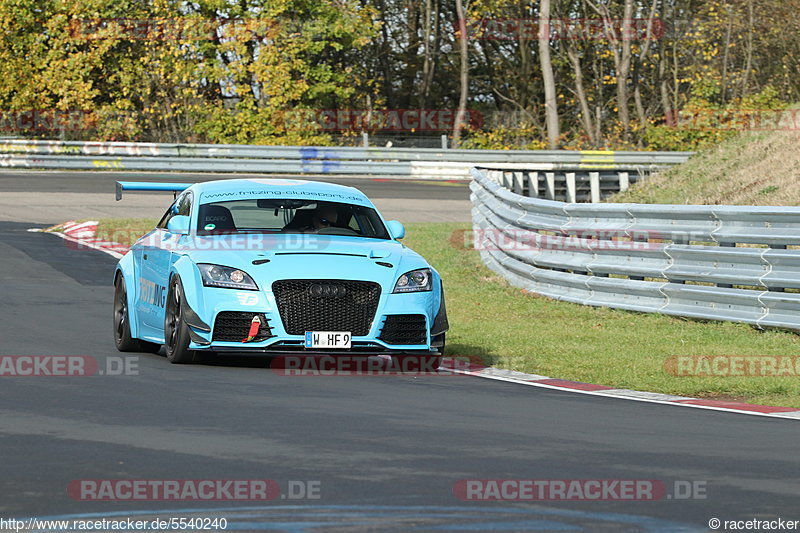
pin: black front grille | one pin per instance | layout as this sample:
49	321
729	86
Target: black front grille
404	329
234	326
326	305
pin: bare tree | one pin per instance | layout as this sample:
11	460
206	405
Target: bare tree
645	50
431	37
748	67
621	50
464	69
580	93
548	79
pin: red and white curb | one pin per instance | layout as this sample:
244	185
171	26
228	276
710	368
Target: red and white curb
83	235
534	380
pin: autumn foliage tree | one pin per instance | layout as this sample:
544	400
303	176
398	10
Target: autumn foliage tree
657	74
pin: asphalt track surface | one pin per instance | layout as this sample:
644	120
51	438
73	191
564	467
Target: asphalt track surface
386	452
52	197
91	182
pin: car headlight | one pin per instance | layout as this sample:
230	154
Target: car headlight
414	281
226	277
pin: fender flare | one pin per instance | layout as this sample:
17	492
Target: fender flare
440	323
193	299
126	269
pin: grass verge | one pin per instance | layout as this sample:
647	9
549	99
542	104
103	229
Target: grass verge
750	169
511	329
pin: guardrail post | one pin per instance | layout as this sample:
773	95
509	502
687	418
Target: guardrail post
725	245
365	139
777	247
594	184
624	181
444	142
571	197
504	181
533	184
550	183
518	183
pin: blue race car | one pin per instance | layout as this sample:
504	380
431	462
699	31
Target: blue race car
279	267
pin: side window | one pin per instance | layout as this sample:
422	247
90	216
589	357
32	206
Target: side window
181	206
185	205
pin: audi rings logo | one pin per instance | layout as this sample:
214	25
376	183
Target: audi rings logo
319	290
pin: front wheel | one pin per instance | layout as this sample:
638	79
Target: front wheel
176	332
122	324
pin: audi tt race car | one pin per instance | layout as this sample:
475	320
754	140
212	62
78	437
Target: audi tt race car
275	266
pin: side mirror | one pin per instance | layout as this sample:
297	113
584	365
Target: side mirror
396	229
179	224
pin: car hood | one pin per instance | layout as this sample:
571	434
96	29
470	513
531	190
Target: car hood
305	256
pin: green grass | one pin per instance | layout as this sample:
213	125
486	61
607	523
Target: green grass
508	328
124	230
749	169
511	329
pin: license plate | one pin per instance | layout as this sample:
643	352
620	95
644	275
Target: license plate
328	339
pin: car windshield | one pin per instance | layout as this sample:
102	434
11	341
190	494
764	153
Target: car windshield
289	216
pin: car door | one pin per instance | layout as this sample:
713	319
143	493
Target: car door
156	260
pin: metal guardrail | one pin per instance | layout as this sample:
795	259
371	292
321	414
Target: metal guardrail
570	184
736	263
407	162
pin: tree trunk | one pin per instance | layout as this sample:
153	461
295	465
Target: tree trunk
428	65
462	100
586	114
749	55
641	112
623	70
670	114
550	102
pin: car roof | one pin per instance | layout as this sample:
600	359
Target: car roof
243	189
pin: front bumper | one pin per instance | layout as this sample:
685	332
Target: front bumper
419	334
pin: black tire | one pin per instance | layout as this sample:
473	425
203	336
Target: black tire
176	332
122	325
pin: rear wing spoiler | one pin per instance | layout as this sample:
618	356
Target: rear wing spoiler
174	188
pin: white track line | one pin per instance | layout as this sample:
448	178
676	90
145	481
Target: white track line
534	380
